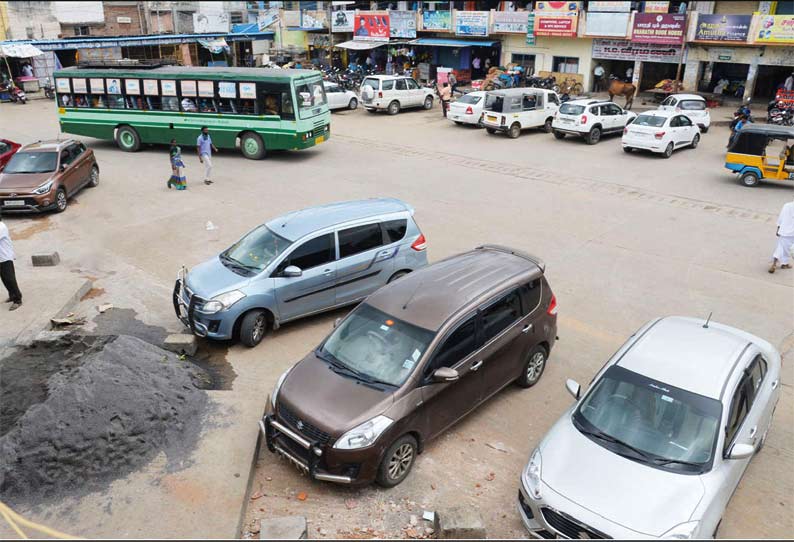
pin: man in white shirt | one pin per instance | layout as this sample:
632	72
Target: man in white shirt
789	83
27	70
7	273
785	238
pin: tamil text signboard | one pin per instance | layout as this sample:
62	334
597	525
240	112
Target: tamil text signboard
608	49
437	20
776	29
471	23
509	22
658	28
723	27
402	24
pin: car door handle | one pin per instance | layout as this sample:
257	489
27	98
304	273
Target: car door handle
753	431
475	366
328	271
527	328
774	384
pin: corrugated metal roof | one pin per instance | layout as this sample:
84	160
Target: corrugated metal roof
451	42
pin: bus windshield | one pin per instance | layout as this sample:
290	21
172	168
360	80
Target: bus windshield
310	95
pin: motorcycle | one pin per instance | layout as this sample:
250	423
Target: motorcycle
49	90
16	93
782	116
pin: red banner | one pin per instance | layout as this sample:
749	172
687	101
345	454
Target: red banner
560	25
658	28
371	27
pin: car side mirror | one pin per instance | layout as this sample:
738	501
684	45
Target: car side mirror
573	388
63	167
337	322
741	451
292	271
445	374
625	112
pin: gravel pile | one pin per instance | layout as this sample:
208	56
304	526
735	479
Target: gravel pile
109	411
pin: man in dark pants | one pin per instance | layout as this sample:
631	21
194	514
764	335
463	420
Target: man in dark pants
7	273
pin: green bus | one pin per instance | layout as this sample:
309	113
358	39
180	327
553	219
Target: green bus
256	109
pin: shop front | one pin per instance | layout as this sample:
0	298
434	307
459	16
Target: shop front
644	62
457	54
658	41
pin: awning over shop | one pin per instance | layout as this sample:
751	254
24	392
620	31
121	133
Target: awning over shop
450	42
134	41
215	46
19	50
361	45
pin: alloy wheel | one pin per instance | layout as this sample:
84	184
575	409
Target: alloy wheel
535	366
259	328
400	462
60	200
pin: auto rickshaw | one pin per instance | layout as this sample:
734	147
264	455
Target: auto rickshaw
762	152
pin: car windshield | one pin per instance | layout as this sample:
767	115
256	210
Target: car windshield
376	347
469	99
372	82
651	422
650	120
310	96
254	252
494	102
571	109
692	105
32	162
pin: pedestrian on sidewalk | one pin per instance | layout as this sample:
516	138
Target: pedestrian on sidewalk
7	272
204	148
445	93
785	238
453	83
177	180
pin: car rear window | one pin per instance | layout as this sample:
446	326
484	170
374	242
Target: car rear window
395	229
469	99
359	239
692	105
570	109
371	81
650	120
494	103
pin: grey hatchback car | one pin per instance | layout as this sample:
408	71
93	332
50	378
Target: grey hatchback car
302	263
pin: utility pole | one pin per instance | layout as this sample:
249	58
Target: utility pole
330	34
681	56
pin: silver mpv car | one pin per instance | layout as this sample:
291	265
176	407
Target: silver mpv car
302	263
658	444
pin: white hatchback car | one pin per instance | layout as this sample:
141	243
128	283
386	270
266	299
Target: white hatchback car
339	98
661	131
393	93
590	119
467	109
691	105
658	444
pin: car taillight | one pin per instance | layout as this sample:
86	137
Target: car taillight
420	243
469	111
552	310
658	135
380	95
625	131
583	120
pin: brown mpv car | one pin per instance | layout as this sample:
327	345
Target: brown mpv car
42	176
411	360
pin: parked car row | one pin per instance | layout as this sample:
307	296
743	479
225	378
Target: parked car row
42	176
654	448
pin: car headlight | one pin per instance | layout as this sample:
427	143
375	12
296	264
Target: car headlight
532	474
363	435
277	387
222	302
684	531
44	188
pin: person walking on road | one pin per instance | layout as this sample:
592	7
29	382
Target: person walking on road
785	238
7	272
445	93
453	83
177	180
599	77
204	148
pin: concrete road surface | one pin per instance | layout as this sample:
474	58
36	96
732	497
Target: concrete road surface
626	238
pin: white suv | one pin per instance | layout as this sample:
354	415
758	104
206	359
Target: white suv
691	105
393	93
590	119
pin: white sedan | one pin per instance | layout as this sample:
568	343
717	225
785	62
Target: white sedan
467	109
662	132
339	98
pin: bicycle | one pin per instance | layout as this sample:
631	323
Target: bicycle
571	86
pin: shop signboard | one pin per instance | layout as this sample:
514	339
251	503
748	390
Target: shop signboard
607	24
531	29
402	24
99	54
314	19
437	20
608	49
723	27
204	23
559	7
371	27
776	29
657	7
471	23
509	22
613	7
556	25
342	21
658	28
267	18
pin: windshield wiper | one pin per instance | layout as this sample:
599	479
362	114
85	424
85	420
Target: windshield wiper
340	368
670	460
609	438
237	264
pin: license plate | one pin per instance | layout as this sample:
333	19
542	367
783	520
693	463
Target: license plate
566	121
14	203
319	140
491	118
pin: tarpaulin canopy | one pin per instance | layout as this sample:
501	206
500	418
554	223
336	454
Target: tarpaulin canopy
214	46
361	45
450	42
19	50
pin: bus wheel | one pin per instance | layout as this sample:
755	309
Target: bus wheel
128	139
252	146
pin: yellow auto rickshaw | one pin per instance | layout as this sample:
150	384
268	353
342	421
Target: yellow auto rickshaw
762	152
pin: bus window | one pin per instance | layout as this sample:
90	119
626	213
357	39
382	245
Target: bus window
247	107
81	101
310	95
226	105
270	104
170	103
188	105
115	101
287	108
98	101
206	105
153	103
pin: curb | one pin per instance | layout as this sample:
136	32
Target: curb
28	335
